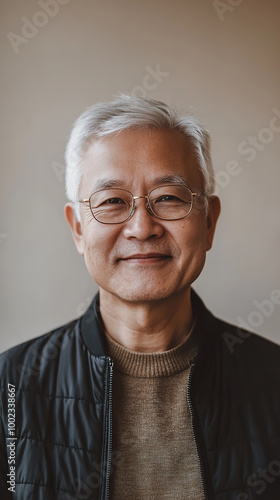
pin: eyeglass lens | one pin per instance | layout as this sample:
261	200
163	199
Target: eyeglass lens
114	205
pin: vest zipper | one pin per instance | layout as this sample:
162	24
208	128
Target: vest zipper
109	446
194	431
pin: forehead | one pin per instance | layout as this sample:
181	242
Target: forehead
139	156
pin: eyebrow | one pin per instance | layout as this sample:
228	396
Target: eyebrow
166	179
171	179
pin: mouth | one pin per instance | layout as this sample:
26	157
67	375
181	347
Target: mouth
147	258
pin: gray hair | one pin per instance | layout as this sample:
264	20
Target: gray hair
131	112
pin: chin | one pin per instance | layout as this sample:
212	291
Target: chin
143	296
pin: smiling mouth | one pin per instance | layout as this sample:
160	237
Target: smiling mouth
148	258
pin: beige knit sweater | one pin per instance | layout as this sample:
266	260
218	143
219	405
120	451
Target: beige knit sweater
152	433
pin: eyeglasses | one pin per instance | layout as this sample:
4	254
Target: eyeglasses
114	205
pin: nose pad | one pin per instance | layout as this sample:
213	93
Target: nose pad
149	208
135	206
147	205
144	225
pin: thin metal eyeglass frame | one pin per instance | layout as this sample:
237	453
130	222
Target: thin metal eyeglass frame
148	206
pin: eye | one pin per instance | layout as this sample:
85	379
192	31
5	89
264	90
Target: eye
167	197
110	199
113	201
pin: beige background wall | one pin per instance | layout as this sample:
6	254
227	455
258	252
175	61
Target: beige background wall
224	66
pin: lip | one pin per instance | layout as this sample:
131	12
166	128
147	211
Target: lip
146	258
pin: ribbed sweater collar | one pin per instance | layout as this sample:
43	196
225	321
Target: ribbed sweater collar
158	364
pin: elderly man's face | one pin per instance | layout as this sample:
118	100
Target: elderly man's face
169	254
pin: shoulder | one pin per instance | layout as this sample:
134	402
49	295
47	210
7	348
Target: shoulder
247	357
32	357
233	341
238	340
237	365
234	350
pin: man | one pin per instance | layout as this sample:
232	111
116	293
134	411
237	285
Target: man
144	397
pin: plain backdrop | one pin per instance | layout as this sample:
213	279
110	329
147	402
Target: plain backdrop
219	60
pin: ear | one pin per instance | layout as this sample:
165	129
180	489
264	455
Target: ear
75	226
214	209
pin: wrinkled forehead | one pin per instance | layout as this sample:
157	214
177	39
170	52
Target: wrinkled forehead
144	156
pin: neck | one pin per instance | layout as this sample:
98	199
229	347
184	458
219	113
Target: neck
147	327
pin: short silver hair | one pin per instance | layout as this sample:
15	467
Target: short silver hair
131	112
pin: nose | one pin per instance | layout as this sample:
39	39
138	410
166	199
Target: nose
142	225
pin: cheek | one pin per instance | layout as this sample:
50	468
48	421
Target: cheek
95	260
99	242
195	254
194	236
192	248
